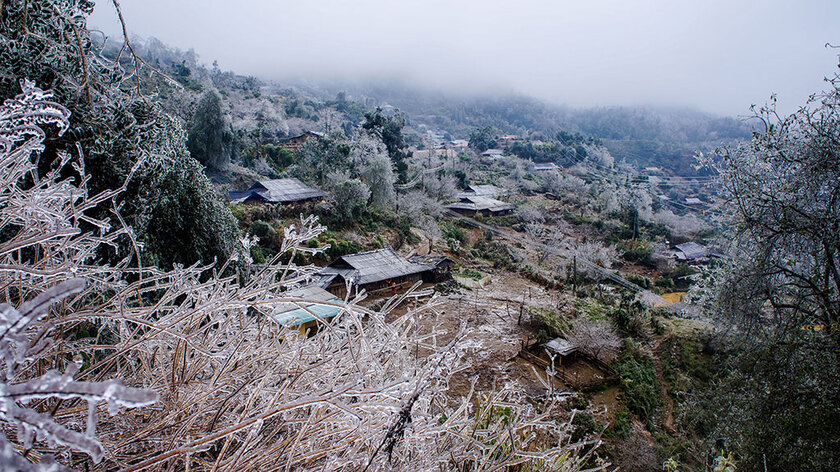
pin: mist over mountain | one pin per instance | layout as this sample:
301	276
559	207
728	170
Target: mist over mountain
659	136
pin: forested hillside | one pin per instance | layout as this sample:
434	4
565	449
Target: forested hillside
644	136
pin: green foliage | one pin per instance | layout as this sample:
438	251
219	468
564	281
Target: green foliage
277	157
779	402
297	108
353	111
567	150
351	197
451	231
168	203
257	255
639	280
389	130
621	426
639	383
209	141
555	321
468	273
592	308
187	222
483	139
636	250
269	237
585	426
681	276
664	283
341	247
684	368
379	241
316	158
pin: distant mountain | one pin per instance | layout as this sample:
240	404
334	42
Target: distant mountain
663	137
646	136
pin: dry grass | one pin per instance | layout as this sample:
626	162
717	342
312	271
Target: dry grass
231	389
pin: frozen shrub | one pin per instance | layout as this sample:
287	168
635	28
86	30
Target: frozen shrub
216	384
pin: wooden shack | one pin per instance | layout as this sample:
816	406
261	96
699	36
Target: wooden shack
439	267
296	142
470	205
381	270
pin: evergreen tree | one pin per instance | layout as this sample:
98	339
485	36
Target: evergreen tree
126	139
482	139
208	138
389	130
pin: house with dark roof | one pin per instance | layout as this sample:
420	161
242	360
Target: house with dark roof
472	204
374	271
691	251
305	308
439	267
297	141
493	153
277	191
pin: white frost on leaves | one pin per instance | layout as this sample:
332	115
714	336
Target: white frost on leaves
45	215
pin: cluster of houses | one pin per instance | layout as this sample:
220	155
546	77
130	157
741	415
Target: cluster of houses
381	271
475	199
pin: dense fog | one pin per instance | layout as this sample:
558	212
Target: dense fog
715	55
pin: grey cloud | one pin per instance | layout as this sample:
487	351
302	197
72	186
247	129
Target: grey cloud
716	55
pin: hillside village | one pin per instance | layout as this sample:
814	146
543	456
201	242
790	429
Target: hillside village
261	275
532	239
534	255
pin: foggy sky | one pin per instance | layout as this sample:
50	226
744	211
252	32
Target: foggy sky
715	55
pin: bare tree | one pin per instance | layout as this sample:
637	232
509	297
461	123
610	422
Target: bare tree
598	254
680	225
596	338
430	226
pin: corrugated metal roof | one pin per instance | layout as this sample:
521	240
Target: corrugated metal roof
373	266
285	190
478	203
692	251
486	190
312	300
430	260
560	346
545	166
239	196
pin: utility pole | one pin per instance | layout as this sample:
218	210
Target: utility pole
574	276
635	223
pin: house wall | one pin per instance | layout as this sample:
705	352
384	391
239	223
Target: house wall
339	289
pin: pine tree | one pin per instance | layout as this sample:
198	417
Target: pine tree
207	133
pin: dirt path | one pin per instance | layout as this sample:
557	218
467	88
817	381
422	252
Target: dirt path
668	410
